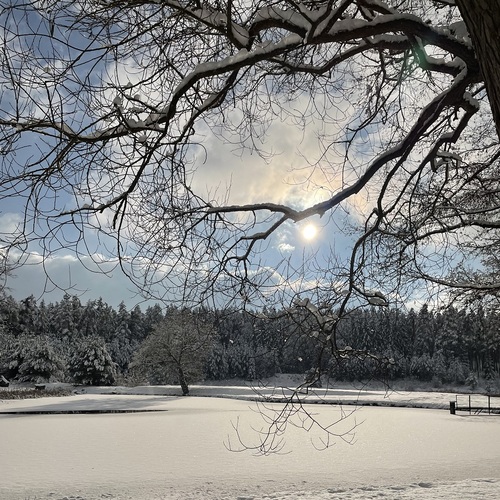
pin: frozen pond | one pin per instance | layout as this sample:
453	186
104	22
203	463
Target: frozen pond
181	453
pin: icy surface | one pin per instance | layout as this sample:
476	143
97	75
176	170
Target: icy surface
181	453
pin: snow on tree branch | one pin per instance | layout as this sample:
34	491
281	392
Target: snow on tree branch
110	111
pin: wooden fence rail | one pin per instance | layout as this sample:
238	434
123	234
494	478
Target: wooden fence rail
476	404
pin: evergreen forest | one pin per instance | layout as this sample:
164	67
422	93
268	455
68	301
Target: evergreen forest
96	344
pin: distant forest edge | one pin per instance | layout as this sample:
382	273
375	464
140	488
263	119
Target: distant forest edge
99	345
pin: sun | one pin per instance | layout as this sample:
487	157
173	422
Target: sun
309	232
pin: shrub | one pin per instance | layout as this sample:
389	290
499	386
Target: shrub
33	359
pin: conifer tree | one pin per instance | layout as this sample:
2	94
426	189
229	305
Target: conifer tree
91	363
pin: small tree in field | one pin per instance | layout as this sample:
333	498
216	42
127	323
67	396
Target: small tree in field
176	350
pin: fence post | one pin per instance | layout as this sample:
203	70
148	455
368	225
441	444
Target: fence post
452	407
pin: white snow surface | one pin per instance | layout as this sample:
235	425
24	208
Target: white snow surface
181	452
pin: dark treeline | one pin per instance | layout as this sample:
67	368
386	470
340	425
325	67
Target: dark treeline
97	344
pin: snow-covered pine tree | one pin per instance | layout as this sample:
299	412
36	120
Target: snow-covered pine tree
121	346
34	359
91	363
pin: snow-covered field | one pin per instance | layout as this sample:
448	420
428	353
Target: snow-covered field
181	452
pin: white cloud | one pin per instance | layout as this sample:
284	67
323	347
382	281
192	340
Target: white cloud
10	227
49	278
285	247
285	176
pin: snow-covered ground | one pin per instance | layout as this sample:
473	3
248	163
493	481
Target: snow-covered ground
181	452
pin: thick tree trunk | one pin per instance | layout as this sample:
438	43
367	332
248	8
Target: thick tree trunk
183	383
482	18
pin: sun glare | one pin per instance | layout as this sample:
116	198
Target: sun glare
309	232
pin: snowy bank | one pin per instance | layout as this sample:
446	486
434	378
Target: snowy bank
275	390
182	452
